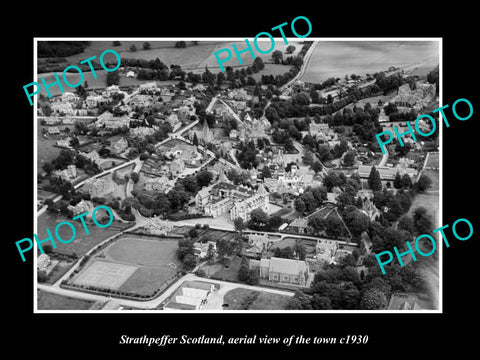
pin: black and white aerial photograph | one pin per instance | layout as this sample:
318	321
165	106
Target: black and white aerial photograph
185	181
261	187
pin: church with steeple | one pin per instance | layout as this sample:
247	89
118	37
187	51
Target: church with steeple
204	135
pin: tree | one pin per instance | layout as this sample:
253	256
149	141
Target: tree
258	218
117	43
193	233
299	205
48	167
307	158
405	222
189	262
397	182
290	49
266	172
406	181
374	181
357	222
373	299
113	78
210	253
239	225
195	139
135	177
423	183
203	178
146	45
422	221
253	278
133	48
225	248
349	158
333	226
243	270
300	250
180	44
48	249
185	247
320	302
277	56
316	166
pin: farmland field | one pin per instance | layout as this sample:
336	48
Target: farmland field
83	242
49	301
338	58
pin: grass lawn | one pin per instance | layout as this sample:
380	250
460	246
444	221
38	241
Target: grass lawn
83	242
285	242
433	160
429	202
230	273
244	299
434	176
49	301
58	271
137	251
147	279
45	150
156	258
215	235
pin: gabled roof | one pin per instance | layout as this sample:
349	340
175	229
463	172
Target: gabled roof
287	266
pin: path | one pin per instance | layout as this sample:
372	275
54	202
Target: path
300	73
384	159
152	304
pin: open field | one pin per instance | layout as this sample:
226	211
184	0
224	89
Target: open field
434	175
143	252
49	301
429	202
230	273
105	274
45	150
83	242
433	160
215	235
262	300
154	259
285	242
338	58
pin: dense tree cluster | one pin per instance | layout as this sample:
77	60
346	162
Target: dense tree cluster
67	157
167	204
247	155
392	205
60	48
186	253
311	199
260	220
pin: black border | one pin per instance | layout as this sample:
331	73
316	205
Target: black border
94	334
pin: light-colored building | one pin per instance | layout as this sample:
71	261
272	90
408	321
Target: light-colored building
68	96
244	207
118	144
161	184
99	187
80	208
68	174
287	271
